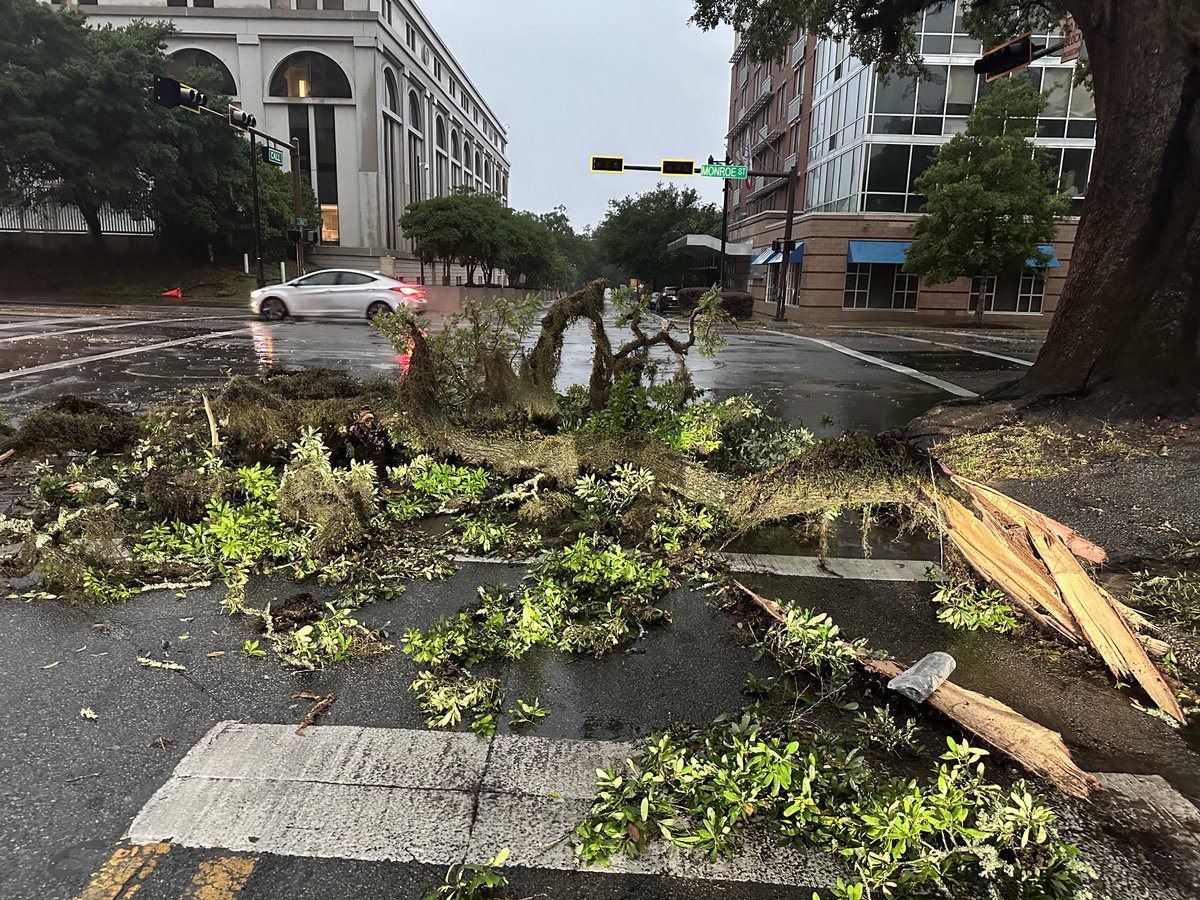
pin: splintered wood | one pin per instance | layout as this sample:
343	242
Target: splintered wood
1033	746
1032	559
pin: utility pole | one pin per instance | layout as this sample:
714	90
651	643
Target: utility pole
297	206
262	278
785	264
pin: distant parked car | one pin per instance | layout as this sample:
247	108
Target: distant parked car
665	301
340	293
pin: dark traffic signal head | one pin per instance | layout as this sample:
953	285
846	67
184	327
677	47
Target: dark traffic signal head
169	92
1016	54
678	167
615	164
240	119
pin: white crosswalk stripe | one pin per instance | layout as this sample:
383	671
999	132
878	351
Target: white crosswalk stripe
417	796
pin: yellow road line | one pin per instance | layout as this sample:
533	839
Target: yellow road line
122	876
220	879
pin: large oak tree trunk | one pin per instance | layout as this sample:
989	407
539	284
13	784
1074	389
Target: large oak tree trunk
1128	325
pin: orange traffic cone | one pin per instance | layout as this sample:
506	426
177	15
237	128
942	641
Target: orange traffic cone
177	293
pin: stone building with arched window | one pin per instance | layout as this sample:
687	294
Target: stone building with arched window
384	114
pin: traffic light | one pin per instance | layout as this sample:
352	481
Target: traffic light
998	62
613	164
678	167
171	93
293	235
240	119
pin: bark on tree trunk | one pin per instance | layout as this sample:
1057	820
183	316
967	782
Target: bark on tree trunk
91	216
1128	325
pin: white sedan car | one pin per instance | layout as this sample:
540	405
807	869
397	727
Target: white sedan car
343	293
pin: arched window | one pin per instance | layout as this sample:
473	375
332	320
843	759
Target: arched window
478	165
455	149
487	174
391	98
308	74
415	119
181	62
441	133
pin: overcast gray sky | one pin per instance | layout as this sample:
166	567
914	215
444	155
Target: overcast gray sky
571	79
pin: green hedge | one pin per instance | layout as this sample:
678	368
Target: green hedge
737	304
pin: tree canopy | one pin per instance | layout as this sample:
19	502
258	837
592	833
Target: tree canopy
479	233
990	196
634	235
77	128
1127	329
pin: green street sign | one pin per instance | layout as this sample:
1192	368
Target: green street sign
301	221
272	155
736	172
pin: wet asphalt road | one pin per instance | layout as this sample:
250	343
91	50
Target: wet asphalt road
71	786
138	355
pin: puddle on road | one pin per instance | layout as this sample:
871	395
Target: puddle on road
884	540
945	361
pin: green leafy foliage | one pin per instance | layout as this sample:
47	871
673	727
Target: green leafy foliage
335	637
963	606
603	498
681	526
634	235
880	728
1173	599
471	881
953	835
481	534
425	485
588	597
527	713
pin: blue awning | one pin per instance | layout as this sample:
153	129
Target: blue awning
894	252
775	257
760	259
798	254
1049	251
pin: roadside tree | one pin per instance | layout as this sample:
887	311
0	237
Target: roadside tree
75	123
634	235
1128	325
990	196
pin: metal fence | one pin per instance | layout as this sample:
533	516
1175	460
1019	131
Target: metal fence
53	218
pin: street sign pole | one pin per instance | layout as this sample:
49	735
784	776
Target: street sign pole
262	278
786	263
724	232
297	205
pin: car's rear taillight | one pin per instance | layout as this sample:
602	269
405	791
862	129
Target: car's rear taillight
408	290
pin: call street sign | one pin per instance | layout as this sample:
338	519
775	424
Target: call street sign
272	155
715	171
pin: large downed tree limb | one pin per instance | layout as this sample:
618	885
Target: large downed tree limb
1033	746
1031	558
988	498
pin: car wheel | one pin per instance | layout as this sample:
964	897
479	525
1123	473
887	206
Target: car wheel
378	308
273	310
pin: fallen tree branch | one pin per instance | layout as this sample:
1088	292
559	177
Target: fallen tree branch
212	425
1033	746
319	708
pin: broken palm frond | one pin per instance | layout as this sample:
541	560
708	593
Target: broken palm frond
1030	558
985	497
1033	746
319	708
7	455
